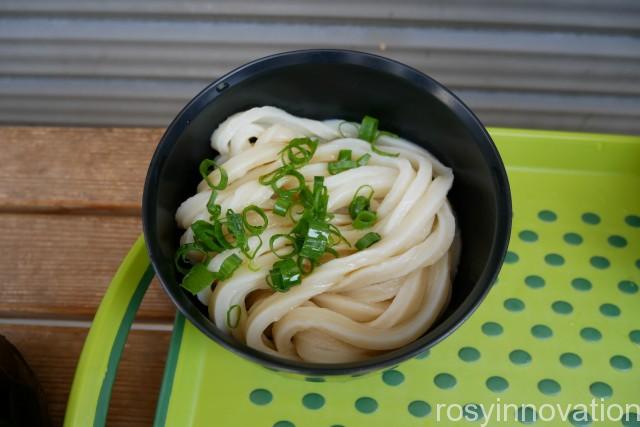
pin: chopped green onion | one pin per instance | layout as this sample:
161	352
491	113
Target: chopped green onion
236	228
205	235
367	240
254	229
344	155
364	159
286	173
282	204
182	261
268	178
252	255
220	237
368	129
344	162
369	132
198	278
235	308
336	167
207	166
359	202
284	274
229	266
315	241
337	236
298	152
376	150
364	219
212	207
305	265
290	238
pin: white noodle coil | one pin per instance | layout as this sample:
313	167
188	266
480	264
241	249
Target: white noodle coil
364	302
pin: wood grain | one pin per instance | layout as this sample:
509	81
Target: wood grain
59	266
52	352
74	169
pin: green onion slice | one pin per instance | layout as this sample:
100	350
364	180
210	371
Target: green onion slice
212	207
368	129
198	278
316	240
367	240
365	219
254	229
298	152
207	166
182	261
284	274
233	313
205	236
229	266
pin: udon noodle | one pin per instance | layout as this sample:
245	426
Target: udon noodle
357	303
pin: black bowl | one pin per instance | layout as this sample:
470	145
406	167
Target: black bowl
325	84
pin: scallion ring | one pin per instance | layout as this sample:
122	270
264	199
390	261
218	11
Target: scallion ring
234	309
254	229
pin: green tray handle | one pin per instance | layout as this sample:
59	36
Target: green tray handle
98	364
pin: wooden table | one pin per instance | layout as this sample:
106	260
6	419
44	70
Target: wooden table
70	202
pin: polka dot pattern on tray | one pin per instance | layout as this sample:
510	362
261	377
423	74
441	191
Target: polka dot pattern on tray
561	325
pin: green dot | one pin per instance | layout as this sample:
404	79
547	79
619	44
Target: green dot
534	281
549	386
473	412
528	236
590	218
621	363
547	216
366	405
284	423
617	241
419	408
313	401
631	419
572	238
610	310
562	307
581	284
423	355
315	379
570	360
445	381
579	418
590	334
554	259
261	396
511	257
468	354
497	384
513	304
632	220
638	264
393	377
527	415
599	262
541	331
628	287
634	336
491	329
520	357
600	389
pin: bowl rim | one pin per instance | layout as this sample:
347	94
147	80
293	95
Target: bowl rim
379	63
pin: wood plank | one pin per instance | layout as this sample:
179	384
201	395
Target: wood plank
59	266
84	169
52	352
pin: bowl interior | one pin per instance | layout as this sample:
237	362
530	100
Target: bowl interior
346	85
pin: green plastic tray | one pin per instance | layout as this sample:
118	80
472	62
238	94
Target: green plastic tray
561	325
